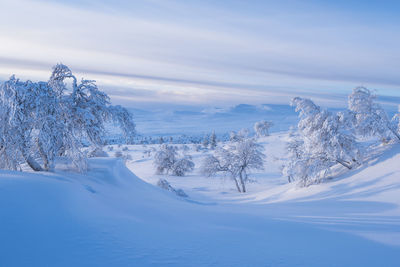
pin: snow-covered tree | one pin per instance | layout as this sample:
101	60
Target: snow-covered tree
183	165
238	136
323	140
294	147
206	141
44	120
213	141
167	160
236	159
368	117
261	128
124	119
396	117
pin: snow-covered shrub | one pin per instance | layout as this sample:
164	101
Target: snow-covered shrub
261	128
167	160
164	184
118	154
368	117
45	120
125	157
322	141
238	136
236	159
96	153
182	166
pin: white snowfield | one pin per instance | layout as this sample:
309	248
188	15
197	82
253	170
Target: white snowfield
110	217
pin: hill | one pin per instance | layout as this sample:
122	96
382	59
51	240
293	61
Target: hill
110	217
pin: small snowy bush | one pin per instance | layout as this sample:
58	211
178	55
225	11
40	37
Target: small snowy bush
97	152
118	154
164	184
182	166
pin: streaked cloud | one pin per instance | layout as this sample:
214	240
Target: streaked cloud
205	53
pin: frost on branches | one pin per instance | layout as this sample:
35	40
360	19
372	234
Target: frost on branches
45	120
236	159
167	160
322	141
368	117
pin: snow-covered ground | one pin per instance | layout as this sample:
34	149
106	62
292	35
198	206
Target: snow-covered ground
115	216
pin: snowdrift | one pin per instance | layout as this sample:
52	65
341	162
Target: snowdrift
110	217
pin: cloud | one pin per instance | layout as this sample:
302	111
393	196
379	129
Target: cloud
201	52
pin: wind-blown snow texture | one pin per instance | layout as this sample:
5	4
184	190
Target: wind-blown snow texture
110	217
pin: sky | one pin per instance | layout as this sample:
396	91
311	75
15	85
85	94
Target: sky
208	53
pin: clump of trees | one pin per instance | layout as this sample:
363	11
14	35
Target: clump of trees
236	159
324	139
210	141
41	121
168	161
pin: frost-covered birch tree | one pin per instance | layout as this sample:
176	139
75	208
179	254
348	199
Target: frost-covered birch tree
236	160
323	141
368	117
45	120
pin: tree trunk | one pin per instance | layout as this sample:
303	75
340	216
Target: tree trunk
344	164
46	163
30	160
242	182
33	164
237	185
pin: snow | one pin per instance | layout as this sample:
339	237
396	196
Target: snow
111	217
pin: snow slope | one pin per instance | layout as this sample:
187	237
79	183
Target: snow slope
110	217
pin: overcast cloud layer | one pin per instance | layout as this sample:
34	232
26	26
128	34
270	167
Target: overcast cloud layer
203	53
